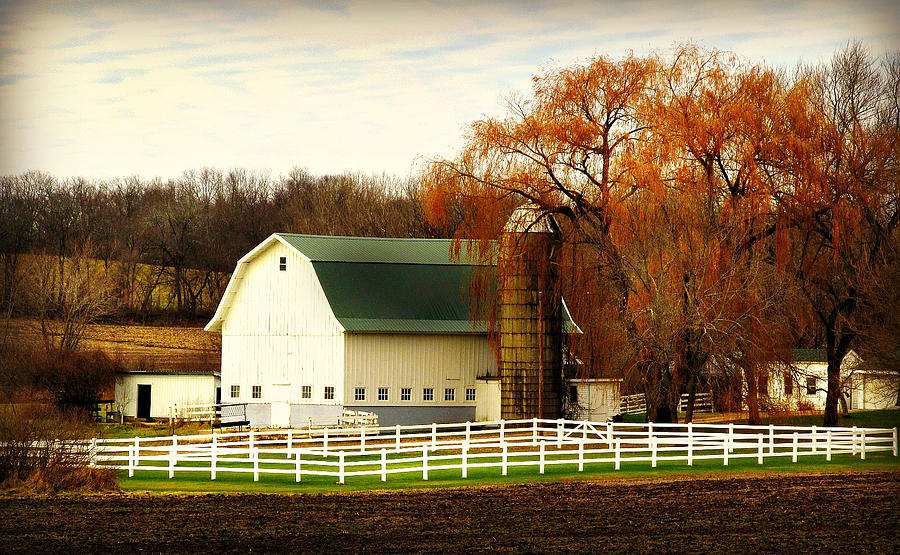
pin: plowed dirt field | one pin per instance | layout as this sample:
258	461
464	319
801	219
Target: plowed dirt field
849	512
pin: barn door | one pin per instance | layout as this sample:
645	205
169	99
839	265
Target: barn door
281	405
143	401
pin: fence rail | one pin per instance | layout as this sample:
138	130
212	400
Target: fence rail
381	451
637	403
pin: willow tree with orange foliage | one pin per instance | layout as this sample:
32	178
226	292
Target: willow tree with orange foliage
650	164
838	186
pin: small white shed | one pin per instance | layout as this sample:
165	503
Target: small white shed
151	394
595	399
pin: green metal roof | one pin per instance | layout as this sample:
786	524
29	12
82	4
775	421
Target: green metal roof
809	355
397	285
412	297
322	248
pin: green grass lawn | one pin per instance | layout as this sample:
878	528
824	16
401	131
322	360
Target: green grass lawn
158	481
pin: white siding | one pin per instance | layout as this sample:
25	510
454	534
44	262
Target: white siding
396	361
279	329
599	398
166	390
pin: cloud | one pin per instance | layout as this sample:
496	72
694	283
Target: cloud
130	88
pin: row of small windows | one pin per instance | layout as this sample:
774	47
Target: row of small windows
256	392
359	394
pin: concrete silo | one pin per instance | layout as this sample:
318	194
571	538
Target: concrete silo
530	326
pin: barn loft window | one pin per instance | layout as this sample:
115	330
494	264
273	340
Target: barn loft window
282	263
428	394
811	385
406	394
256	392
359	394
382	394
470	394
235	391
449	394
307	392
329	392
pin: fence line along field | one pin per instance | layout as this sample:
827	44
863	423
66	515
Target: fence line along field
416	451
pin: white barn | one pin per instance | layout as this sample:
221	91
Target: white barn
312	325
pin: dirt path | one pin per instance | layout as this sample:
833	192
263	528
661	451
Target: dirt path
858	512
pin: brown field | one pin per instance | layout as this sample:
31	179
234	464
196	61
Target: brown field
850	512
149	347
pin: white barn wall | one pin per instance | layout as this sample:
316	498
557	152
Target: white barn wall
395	361
166	390
280	329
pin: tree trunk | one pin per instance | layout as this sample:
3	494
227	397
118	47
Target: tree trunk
834	390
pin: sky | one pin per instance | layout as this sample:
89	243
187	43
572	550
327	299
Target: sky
152	89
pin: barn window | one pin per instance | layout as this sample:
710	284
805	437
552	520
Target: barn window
329	392
449	394
428	394
235	391
256	392
573	393
382	394
788	384
470	394
406	394
811	385
359	394
307	392
282	263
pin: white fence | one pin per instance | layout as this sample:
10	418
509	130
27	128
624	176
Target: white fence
462	447
637	404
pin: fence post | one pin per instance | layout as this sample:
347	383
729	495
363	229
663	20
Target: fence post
759	451
425	462
534	425
92	460
649	433
609	434
813	439
862	445
341	467
730	437
771	439
213	456
130	461
541	467
468	431
828	445
580	456
503	461
725	445
794	449
895	441
397	439
853	441
137	453
653	452
433	435
290	441
172	457
690	444
584	427
383	465
465	460
325	443
254	452
502	430
362	439
297	464
252	439
559	433
618	454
